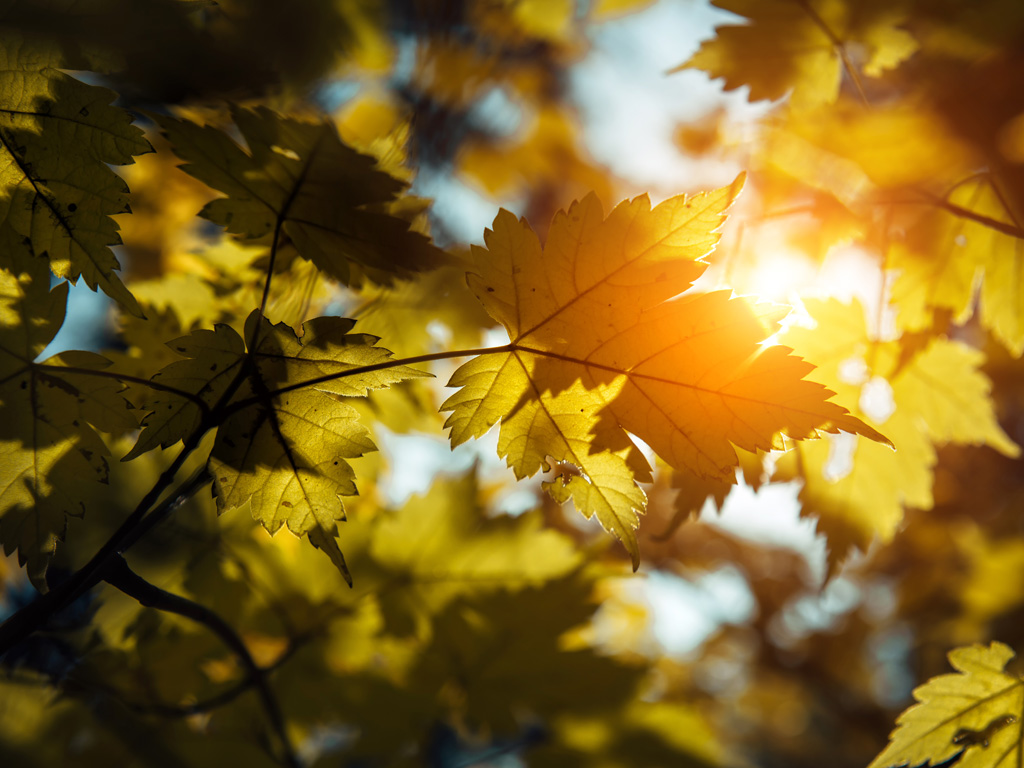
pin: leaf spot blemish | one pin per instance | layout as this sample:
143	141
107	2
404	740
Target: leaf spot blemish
971	737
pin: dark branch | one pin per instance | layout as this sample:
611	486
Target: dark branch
120	576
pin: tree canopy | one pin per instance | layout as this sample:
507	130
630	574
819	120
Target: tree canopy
825	316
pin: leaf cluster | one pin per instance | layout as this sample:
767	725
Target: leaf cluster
284	300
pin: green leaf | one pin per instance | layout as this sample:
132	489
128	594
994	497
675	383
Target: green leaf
300	177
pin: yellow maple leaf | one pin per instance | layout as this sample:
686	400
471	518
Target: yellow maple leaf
443	545
283	432
58	137
602	346
939	396
299	178
802	46
971	233
49	415
978	711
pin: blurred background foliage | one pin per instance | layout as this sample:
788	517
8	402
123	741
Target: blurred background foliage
487	625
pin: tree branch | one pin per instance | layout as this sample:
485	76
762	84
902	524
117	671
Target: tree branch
979	218
120	576
27	620
216	701
34	615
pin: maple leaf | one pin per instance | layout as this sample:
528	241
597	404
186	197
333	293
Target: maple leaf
602	345
801	46
939	396
283	431
48	411
442	545
510	641
944	253
58	136
300	178
978	711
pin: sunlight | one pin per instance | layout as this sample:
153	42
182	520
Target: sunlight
781	275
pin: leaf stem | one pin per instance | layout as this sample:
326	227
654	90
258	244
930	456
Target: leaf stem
272	259
840	48
275	243
394	363
181	494
979	218
122	577
105	374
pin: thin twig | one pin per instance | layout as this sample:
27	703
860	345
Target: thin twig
122	577
245	403
27	620
214	702
840	48
107	374
979	218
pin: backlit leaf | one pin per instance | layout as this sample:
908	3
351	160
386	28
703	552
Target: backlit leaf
801	46
938	397
48	444
978	710
299	177
443	545
943	256
58	137
601	348
283	445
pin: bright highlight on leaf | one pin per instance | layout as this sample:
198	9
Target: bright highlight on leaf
602	346
979	711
